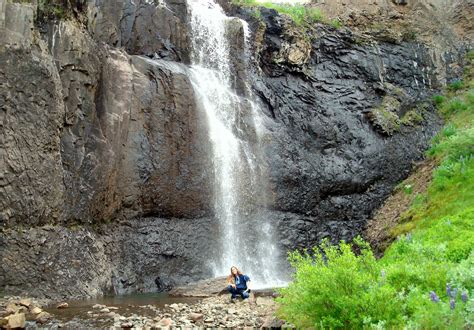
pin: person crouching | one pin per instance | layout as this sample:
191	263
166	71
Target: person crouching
238	284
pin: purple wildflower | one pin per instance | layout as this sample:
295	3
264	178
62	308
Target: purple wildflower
382	273
408	237
464	296
434	297
452	304
454	292
448	290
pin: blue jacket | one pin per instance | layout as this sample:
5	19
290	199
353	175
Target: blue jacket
241	281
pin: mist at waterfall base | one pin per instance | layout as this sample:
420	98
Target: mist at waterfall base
247	238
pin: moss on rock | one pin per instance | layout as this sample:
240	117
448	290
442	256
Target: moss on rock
385	118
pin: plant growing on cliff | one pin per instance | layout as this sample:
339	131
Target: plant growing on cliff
300	14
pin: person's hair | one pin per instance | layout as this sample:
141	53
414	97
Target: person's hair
230	278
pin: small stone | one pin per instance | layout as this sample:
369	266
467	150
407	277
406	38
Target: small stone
165	322
111	314
272	322
26	302
195	316
175	307
36	310
43	317
126	325
17	320
63	305
104	310
112	308
99	306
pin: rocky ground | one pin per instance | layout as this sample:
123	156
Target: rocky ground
16	311
218	311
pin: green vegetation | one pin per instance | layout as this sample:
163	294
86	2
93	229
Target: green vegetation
299	13
385	116
335	23
425	279
412	118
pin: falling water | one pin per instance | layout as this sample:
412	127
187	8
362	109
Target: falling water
246	236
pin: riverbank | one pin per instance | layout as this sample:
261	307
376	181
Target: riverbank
215	312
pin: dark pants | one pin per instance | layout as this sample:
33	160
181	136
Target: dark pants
237	291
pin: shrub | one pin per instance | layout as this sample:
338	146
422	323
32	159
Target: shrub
333	288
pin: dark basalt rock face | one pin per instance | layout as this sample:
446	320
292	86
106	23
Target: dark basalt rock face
330	165
106	174
59	262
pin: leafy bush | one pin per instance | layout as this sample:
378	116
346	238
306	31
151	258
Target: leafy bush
335	288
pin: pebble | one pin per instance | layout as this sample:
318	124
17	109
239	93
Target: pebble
98	306
63	305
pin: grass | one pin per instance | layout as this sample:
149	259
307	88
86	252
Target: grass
453	149
300	14
425	280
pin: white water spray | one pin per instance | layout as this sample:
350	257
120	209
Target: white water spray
246	237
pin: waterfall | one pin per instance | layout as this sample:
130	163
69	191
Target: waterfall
246	235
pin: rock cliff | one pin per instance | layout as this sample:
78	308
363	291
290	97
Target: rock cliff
106	178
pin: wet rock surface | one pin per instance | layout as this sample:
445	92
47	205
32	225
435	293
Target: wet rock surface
338	139
152	28
133	256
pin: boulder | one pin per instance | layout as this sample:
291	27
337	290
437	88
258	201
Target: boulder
205	288
36	310
26	302
17	320
13	308
43	317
